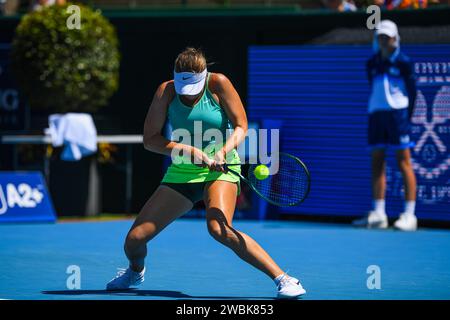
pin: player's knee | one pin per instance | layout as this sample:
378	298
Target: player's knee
137	237
215	229
223	233
218	230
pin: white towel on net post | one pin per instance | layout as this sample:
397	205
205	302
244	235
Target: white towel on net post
76	131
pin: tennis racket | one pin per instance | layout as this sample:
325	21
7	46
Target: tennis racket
286	187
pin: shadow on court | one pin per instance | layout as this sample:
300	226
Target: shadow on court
144	293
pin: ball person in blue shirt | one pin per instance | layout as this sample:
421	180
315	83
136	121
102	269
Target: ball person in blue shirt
391	104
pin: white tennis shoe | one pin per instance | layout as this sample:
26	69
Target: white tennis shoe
289	288
374	220
125	279
406	222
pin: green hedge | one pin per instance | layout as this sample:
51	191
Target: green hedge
63	70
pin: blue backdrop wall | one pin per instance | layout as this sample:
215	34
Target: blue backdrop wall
320	94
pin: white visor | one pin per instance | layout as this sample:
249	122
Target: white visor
388	28
189	83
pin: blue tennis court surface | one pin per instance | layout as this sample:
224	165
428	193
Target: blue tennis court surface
186	263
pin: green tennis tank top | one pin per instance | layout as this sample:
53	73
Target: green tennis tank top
193	123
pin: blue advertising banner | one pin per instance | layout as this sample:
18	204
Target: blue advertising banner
12	105
320	94
24	198
431	127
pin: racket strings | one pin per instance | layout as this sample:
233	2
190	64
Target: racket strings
288	186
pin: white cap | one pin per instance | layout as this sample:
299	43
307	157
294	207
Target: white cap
189	83
388	28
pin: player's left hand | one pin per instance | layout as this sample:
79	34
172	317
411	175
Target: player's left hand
219	159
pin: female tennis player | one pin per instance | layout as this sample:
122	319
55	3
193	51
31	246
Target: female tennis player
197	97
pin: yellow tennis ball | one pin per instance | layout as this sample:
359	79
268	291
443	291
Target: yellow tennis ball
261	172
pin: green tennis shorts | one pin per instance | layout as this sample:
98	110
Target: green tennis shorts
186	172
190	180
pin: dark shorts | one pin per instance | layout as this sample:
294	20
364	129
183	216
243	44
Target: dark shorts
192	191
389	128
